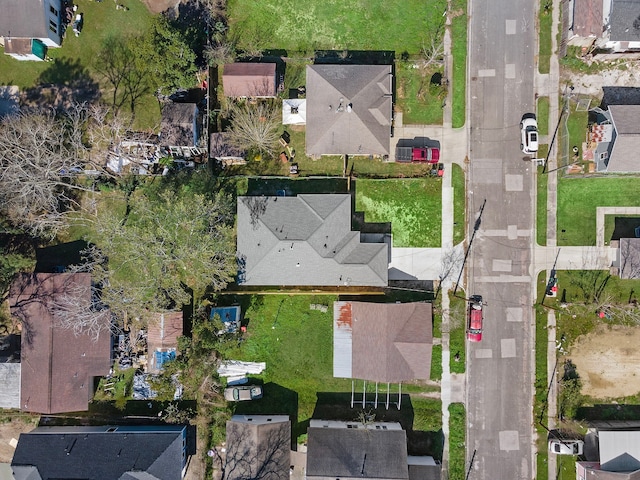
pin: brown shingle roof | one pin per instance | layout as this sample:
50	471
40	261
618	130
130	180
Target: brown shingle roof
249	80
587	18
390	342
57	367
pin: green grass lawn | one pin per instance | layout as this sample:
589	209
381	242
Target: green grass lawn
457	441
457	333
459	51
545	20
578	199
304	25
541	385
413	206
459	203
541	207
420	101
576	125
543	115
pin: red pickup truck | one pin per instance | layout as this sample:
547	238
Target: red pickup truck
417	154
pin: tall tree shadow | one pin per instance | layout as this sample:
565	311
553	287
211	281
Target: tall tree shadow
64	82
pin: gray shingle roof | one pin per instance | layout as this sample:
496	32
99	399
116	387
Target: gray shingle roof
258	447
305	240
357	453
349	109
623	20
624	155
23	19
93	453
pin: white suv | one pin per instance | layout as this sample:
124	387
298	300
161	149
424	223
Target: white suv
529	133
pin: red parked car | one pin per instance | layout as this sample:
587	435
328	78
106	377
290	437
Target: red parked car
474	326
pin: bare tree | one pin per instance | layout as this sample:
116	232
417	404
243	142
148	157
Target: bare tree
220	53
255	126
40	154
257	457
80	311
432	50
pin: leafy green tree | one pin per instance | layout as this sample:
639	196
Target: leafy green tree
167	252
170	60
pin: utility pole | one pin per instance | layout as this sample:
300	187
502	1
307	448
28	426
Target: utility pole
565	104
476	227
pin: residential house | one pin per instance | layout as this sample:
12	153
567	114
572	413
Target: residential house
606	27
164	328
375	450
57	367
110	452
614	139
618	456
258	446
382	342
249	80
29	27
306	240
349	109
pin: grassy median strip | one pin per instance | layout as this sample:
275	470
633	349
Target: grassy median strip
459	203
457	328
457	441
543	115
542	384
541	207
459	51
545	23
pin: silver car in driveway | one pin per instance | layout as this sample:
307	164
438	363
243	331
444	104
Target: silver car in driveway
529	133
242	393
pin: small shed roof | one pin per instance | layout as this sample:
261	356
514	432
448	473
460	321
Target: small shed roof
163	332
294	111
220	147
245	79
178	125
389	342
10	385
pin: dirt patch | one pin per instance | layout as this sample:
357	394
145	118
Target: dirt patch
159	6
608	362
591	85
13	429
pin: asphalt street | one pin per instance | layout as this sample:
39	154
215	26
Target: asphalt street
502	48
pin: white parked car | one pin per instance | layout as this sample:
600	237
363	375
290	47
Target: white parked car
529	133
566	447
